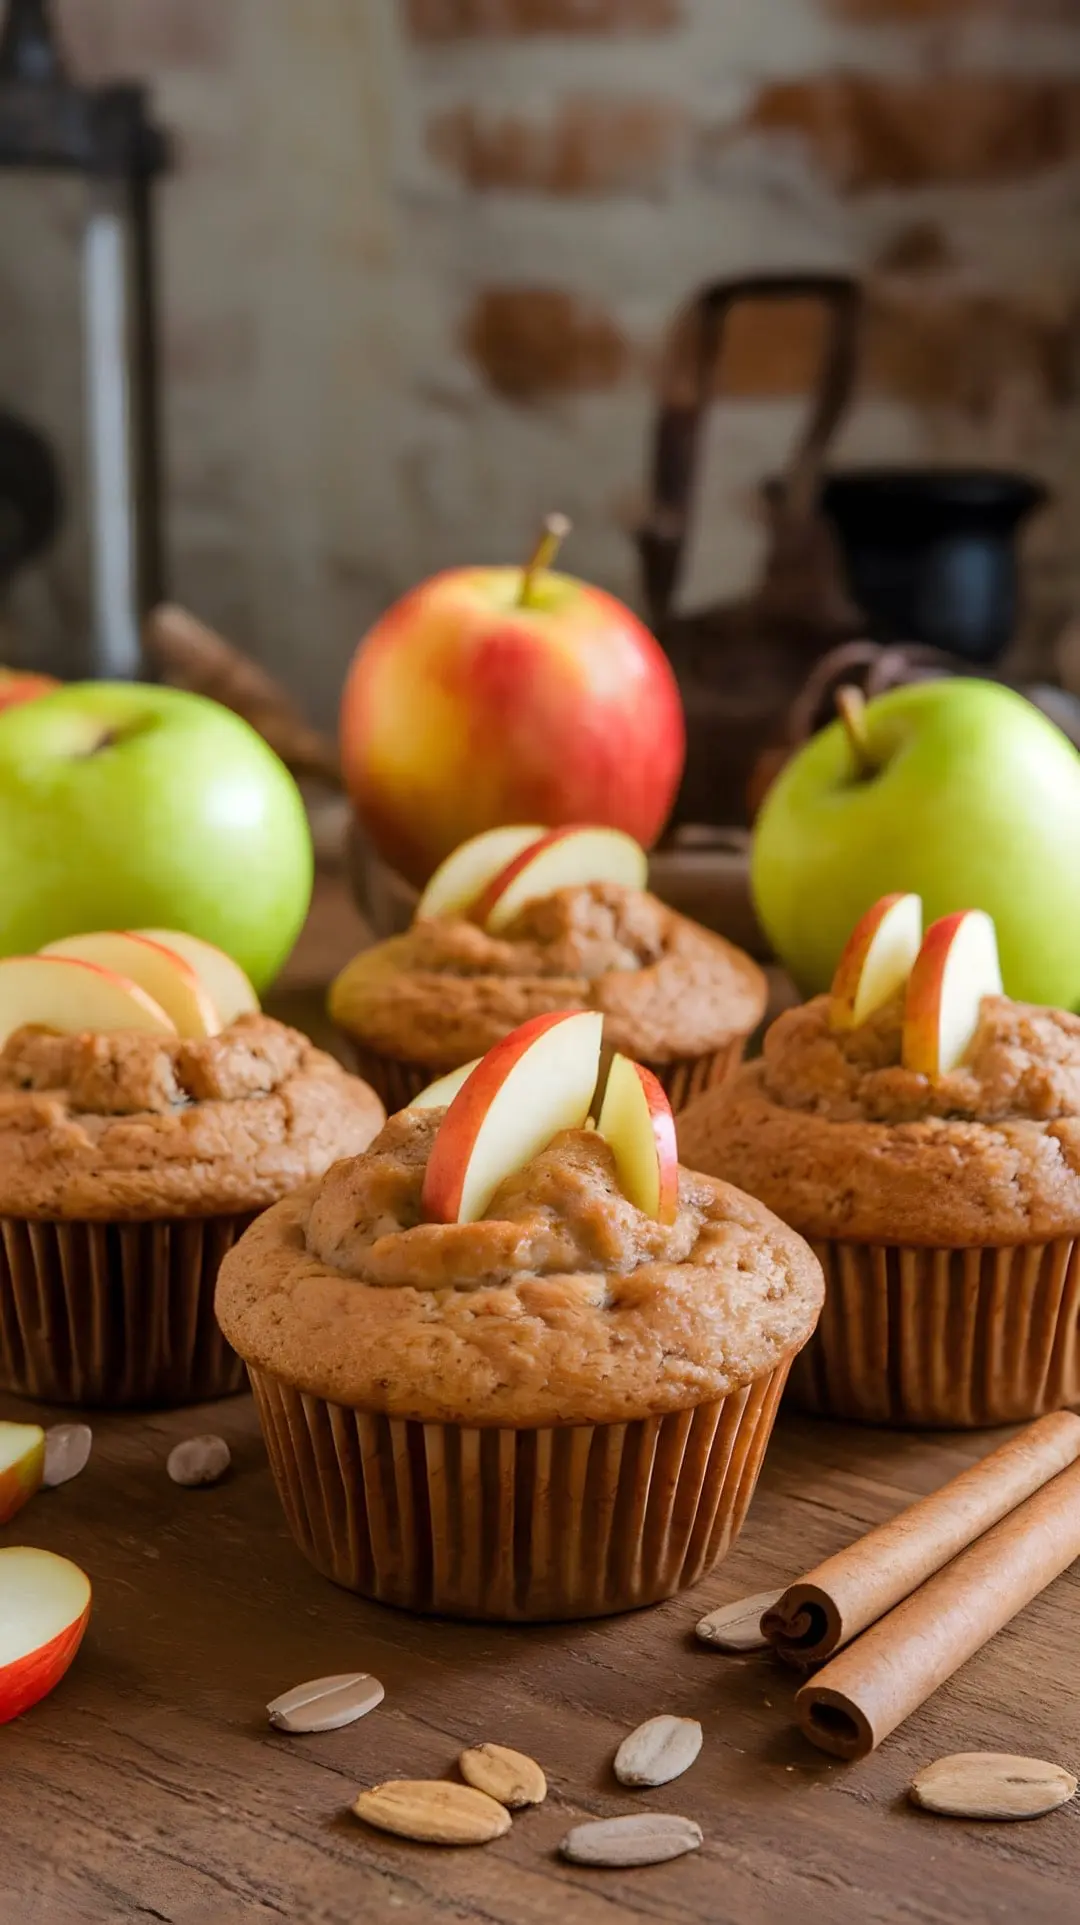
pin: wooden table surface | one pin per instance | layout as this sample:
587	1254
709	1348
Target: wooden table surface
150	1787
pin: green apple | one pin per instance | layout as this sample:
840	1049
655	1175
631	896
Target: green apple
959	791
125	806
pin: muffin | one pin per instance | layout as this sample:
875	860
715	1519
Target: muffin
944	1206
129	1163
556	1410
674	996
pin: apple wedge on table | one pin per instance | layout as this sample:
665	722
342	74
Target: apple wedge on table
22	1466
955	968
537	1081
44	1611
561	859
163	973
68	995
636	1122
878	958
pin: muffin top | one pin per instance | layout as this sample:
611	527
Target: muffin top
445	991
835	1135
131	1125
564	1304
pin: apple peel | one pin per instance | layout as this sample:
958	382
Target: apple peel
956	967
877	960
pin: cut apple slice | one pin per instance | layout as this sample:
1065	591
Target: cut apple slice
22	1466
537	1081
59	992
440	1094
44	1608
561	859
636	1121
223	979
163	973
955	968
877	960
461	879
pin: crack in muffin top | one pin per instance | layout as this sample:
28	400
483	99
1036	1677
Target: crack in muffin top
841	1140
132	1125
564	1304
445	991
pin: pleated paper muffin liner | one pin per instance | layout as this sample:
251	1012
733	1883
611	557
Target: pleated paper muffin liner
946	1339
570	1522
111	1314
398	1083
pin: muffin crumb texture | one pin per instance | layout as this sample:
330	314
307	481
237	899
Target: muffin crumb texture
834	1134
564	1304
129	1125
445	991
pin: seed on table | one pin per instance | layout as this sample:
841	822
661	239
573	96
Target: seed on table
433	1811
511	1777
659	1750
67	1453
644	1838
326	1704
991	1784
199	1460
737	1626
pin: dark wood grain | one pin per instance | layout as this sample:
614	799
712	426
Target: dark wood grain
150	1787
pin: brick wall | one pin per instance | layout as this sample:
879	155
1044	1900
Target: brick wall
420	257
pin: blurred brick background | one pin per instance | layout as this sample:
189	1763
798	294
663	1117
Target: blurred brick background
419	257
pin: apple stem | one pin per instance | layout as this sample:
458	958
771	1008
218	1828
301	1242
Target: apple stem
552	535
851	708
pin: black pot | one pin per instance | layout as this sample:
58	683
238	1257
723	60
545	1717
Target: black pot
930	554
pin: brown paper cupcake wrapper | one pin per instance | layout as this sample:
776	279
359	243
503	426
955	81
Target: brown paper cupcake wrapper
115	1313
515	1524
948	1339
399	1083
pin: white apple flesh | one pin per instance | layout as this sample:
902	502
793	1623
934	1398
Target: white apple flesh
441	1093
22	1466
562	859
535	1082
955	968
164	974
461	879
636	1122
44	1610
61	993
223	979
877	960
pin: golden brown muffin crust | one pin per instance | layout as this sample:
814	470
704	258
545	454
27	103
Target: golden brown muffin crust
127	1125
564	1305
445	991
831	1132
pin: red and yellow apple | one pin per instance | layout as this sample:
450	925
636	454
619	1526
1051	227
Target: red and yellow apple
877	959
537	1081
21	685
494	695
44	1611
955	968
636	1122
22	1466
68	995
165	975
560	859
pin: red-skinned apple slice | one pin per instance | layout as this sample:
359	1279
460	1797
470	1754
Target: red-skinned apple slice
955	968
22	1466
537	1081
636	1122
223	979
461	879
163	973
561	859
58	992
441	1093
44	1609
878	958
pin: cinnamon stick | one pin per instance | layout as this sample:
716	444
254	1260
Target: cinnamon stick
834	1602
869	1689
